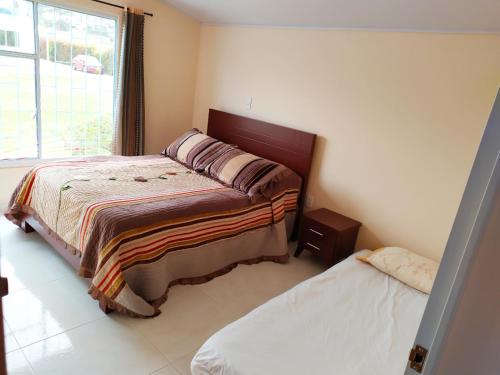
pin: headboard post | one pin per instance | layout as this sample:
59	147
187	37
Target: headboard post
290	147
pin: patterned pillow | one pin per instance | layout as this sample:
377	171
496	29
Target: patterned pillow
412	269
172	149
240	169
196	149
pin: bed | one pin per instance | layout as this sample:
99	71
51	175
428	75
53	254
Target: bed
350	320
135	226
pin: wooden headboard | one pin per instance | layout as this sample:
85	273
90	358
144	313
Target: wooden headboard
290	147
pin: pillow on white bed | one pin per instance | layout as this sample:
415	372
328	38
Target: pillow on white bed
412	269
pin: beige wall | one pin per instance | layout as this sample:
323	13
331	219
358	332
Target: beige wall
399	116
171	54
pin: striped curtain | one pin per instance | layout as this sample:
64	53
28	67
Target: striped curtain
130	101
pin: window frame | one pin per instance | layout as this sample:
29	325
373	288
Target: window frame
35	56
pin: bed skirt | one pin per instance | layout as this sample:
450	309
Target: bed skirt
151	282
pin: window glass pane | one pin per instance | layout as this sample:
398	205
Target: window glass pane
18	136
16	26
77	54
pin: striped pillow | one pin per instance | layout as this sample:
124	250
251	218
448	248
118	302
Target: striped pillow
196	150
240	169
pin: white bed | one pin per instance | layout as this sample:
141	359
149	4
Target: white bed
350	320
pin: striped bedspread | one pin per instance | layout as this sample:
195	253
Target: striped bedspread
124	215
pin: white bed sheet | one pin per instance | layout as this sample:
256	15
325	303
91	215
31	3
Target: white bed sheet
350	320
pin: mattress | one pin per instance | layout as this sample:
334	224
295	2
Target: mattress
136	220
350	320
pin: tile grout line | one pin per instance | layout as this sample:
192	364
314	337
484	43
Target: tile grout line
13	336
137	332
177	360
213	299
22	348
27	288
60	333
143	336
28	361
170	366
39	341
171	362
24	356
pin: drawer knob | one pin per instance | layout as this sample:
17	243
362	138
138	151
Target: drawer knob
314	247
316	232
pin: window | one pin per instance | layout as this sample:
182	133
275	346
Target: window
57	80
9	38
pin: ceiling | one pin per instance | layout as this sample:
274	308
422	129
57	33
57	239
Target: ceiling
410	15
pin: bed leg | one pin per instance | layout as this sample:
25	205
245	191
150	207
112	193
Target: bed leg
105	308
26	227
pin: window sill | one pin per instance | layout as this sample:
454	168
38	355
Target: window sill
19	163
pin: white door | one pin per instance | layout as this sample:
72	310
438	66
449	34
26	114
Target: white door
472	248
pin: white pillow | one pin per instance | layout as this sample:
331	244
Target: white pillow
412	269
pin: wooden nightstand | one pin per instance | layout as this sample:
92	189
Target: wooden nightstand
328	234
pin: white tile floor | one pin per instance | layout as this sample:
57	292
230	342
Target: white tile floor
53	326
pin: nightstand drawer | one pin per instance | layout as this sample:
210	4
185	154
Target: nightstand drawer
316	231
328	234
315	241
312	247
323	248
308	236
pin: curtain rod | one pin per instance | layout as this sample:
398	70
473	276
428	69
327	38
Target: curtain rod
118	6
